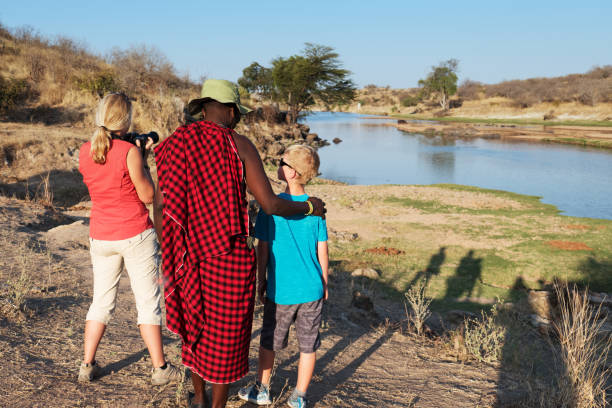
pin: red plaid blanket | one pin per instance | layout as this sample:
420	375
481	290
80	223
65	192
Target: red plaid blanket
202	181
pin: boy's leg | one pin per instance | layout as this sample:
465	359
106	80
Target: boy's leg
307	325
274	336
266	362
305	370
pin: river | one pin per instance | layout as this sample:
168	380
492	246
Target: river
576	180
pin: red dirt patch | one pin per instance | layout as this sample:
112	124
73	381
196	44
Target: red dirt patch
569	246
385	251
577	227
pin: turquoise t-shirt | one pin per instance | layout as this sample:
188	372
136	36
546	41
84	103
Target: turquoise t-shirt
294	272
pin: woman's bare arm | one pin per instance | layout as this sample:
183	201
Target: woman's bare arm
140	176
259	185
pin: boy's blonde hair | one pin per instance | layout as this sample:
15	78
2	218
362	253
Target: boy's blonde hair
114	114
303	159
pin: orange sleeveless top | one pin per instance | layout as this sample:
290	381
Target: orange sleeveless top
116	212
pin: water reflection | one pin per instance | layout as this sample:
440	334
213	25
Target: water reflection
577	180
438	161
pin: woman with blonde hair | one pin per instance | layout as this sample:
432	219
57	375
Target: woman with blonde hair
121	232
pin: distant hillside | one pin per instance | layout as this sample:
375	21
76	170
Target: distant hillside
576	96
55	81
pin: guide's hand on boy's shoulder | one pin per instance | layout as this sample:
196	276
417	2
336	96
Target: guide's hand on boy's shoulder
318	207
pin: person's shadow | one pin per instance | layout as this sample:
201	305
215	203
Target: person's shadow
462	283
433	268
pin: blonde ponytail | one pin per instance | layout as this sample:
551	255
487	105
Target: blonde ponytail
114	114
100	144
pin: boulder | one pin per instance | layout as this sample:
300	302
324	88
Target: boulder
361	301
539	302
312	137
275	149
367	272
456	318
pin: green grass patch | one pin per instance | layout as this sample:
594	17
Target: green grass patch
604	144
538	122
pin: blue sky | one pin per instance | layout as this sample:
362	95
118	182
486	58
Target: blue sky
384	43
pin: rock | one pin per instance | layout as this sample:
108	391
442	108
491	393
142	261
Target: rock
276	149
342	235
401	122
600	298
436	324
336	140
296	133
361	301
367	272
457	317
311	137
539	302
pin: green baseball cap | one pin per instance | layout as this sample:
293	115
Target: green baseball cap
221	91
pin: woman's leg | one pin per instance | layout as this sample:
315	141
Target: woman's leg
107	267
151	334
93	334
141	261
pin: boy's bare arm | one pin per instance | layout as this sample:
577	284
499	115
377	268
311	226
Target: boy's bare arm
323	256
262	265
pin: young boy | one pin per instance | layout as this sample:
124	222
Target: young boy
294	251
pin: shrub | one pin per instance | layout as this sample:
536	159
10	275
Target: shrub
470	90
99	83
410	101
13	92
419	306
484	337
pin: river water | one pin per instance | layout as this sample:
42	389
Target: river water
576	180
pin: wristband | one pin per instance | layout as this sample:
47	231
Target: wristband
310	207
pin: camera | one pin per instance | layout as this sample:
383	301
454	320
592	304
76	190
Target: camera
133	137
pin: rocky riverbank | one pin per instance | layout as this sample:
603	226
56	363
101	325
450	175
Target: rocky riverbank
577	135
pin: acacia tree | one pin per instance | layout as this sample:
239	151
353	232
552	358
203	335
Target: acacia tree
300	81
257	79
442	81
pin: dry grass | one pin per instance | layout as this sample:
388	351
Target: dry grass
419	306
583	352
484	338
18	285
59	81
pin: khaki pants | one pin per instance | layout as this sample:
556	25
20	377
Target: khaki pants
141	258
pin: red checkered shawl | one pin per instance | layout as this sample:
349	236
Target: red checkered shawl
201	177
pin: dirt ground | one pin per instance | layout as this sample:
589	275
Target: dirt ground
362	363
368	357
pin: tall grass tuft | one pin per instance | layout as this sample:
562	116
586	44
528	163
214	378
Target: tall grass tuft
583	351
419	306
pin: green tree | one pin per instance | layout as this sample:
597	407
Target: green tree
300	81
257	79
441	81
